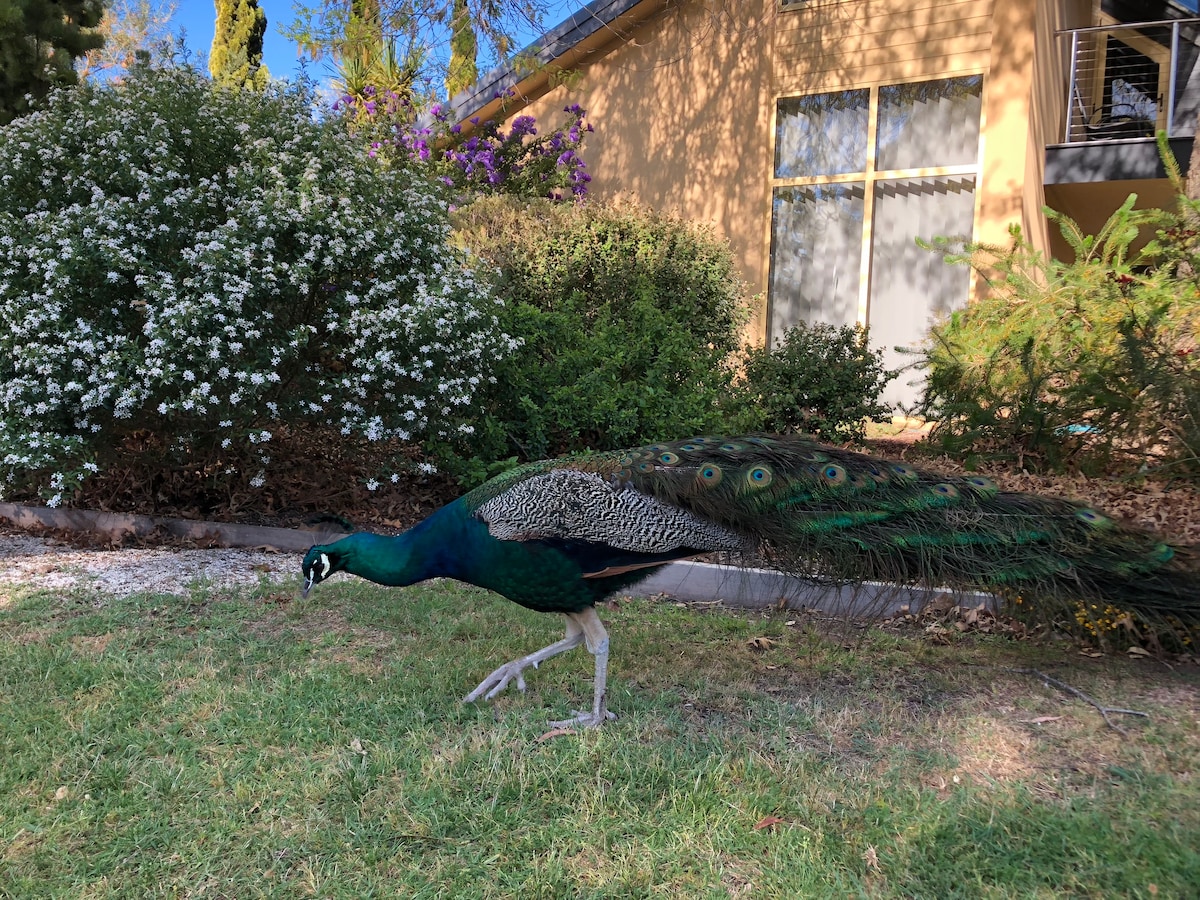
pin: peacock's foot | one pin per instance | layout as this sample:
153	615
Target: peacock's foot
500	679
584	720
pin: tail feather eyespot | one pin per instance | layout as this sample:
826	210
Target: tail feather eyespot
1092	519
904	473
759	476
668	458
833	475
981	486
710	475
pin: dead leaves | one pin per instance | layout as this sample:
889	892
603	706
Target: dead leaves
941	624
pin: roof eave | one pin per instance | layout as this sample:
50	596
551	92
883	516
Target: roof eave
527	76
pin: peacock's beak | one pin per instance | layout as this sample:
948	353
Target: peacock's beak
308	583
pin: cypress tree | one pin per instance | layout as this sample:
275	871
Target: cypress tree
462	71
39	43
237	47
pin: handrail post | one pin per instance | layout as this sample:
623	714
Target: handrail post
1171	84
1071	88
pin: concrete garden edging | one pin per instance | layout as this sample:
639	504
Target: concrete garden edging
745	588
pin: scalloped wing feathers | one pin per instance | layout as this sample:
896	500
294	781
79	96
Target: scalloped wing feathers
569	504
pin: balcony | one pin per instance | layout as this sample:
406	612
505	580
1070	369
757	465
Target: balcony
1124	84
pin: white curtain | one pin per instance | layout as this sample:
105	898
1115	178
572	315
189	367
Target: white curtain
816	255
821	134
929	123
912	288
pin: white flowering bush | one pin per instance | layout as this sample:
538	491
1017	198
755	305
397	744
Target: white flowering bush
210	265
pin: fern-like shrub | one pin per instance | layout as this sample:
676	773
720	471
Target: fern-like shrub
1091	363
817	380
194	268
628	318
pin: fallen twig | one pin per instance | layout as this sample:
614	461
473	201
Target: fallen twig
1100	707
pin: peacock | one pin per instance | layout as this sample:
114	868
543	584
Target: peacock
562	534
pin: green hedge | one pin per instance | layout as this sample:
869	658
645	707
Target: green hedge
629	319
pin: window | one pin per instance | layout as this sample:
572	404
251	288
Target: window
859	175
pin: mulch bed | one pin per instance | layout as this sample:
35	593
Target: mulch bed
314	481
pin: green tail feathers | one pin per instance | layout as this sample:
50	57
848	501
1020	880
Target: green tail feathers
822	511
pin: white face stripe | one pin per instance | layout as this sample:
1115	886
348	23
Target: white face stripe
326	565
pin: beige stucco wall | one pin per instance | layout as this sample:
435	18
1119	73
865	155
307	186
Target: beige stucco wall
682	117
683	104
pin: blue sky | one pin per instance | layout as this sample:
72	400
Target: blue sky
198	17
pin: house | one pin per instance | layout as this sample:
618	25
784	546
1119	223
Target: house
823	136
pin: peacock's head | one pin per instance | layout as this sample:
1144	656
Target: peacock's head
319	563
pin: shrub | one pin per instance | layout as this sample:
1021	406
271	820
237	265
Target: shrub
209	265
487	160
818	380
1088	363
628	319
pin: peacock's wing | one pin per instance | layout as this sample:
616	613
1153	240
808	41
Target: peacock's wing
584	506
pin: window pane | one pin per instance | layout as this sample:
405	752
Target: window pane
816	249
912	288
822	134
929	123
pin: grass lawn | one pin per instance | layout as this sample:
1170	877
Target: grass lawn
248	744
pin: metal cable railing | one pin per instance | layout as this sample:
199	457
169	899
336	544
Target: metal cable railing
1130	81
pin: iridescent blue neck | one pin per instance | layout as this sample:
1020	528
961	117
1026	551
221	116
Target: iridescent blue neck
427	550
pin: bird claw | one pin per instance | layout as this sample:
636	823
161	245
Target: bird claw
584	720
496	682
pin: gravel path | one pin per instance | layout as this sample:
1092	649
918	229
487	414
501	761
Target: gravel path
45	563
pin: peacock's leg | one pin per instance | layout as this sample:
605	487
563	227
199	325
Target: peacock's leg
597	644
499	680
